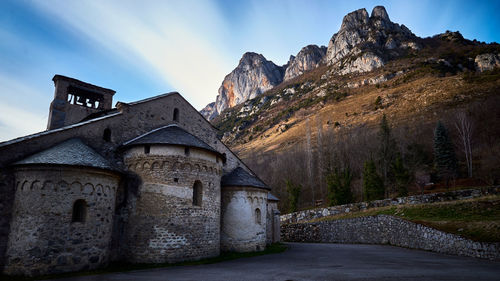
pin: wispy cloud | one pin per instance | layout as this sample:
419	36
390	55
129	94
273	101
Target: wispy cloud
20	114
170	40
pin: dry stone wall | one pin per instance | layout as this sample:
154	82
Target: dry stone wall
308	215
384	229
43	236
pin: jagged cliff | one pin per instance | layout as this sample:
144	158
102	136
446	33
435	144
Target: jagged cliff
307	59
364	42
253	76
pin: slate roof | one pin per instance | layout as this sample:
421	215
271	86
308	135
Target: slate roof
171	134
72	152
240	177
271	197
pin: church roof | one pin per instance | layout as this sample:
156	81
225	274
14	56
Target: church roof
240	177
71	152
171	134
271	197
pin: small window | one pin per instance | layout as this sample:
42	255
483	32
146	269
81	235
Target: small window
147	149
176	179
257	216
197	193
107	135
176	115
79	211
186	151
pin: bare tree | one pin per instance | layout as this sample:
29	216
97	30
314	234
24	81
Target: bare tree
309	159
465	128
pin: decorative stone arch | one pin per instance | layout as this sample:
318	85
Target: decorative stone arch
197	193
35	185
76	186
156	165
25	185
48	185
88	189
62	185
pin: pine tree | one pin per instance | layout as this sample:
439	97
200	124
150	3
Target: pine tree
444	154
386	150
401	176
339	187
372	183
293	195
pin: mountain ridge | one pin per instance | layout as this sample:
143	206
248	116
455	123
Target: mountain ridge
360	45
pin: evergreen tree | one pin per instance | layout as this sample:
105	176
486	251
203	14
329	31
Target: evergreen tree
444	155
401	176
293	195
372	183
339	187
386	150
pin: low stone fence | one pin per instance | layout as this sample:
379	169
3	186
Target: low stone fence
307	215
384	229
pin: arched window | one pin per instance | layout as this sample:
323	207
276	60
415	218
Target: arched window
197	193
176	115
79	211
147	149
107	135
257	216
186	151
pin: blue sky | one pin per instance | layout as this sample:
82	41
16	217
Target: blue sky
146	48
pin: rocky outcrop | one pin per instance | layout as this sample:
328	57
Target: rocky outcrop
209	112
485	62
307	59
364	42
253	76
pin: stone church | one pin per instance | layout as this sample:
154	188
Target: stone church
144	182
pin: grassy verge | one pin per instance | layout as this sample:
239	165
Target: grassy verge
477	219
123	267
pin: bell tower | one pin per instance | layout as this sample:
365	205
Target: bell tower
74	100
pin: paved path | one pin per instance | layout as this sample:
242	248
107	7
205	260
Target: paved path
326	262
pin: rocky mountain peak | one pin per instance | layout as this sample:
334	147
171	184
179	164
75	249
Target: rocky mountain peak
380	13
364	43
355	20
253	76
307	59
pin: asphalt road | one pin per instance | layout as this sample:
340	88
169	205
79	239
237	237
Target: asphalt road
326	262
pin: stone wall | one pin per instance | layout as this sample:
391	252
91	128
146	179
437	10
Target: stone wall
243	219
307	215
384	229
43	237
272	223
7	192
164	223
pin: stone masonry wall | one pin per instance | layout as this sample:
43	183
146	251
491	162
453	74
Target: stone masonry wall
164	225
43	239
307	215
384	229
7	192
243	219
